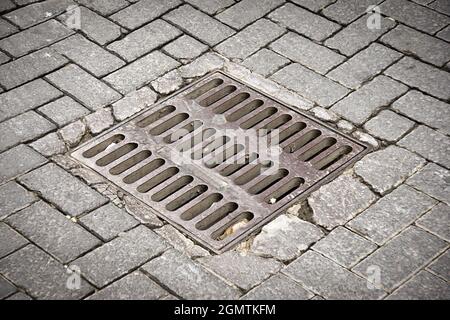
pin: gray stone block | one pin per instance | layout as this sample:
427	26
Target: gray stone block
423	286
187	278
389	126
433	180
125	253
436	221
62	189
325	277
441	266
339	201
345	247
108	221
90	91
104	7
388	168
211	6
63	111
53	232
49	145
391	214
10	240
401	257
133	102
41	276
14	197
185	47
345	11
6	288
245	271
265	62
429	144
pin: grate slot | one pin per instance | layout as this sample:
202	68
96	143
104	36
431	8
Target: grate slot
183	132
144	171
239	165
216	216
102	146
245	110
190	142
172	188
302	141
231	103
275	124
291	131
130	162
268	182
258	118
209	147
157	180
219	95
169	124
116	154
155	116
332	158
240	222
214	83
201	206
284	191
254	172
186	197
317	149
224	156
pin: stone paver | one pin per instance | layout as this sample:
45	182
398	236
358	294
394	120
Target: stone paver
427	48
22	128
108	221
10	240
434	181
99	120
51	231
423	286
135	286
356	36
211	6
245	271
391	214
441	266
90	91
425	109
13	197
428	143
181	242
364	65
388	168
414	15
345	247
358	106
30	67
144	40
133	102
88	55
345	11
250	40
63	111
285	238
265	62
306	52
104	7
278	287
26	97
6	28
35	38
18	160
200	25
19	296
420	75
234	17
42	276
49	145
6	288
389	126
38	12
142	12
436	221
62	189
304	22
310	84
325	277
402	256
126	252
185	47
339	201
187	278
141	72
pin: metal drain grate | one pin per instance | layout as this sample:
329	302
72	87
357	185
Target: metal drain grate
190	158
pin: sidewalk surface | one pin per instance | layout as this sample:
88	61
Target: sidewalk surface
71	69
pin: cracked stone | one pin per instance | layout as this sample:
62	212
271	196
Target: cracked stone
245	271
334	204
388	168
143	213
49	145
202	65
168	83
367	138
324	114
180	242
345	126
73	133
99	121
285	238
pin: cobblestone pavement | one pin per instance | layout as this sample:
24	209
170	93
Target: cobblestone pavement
379	231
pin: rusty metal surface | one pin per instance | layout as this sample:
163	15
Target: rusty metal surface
204	197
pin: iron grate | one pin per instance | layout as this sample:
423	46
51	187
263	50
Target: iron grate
190	158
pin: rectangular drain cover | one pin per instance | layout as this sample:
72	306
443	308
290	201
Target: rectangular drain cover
201	159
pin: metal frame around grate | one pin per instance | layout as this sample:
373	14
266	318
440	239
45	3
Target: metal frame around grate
216	202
